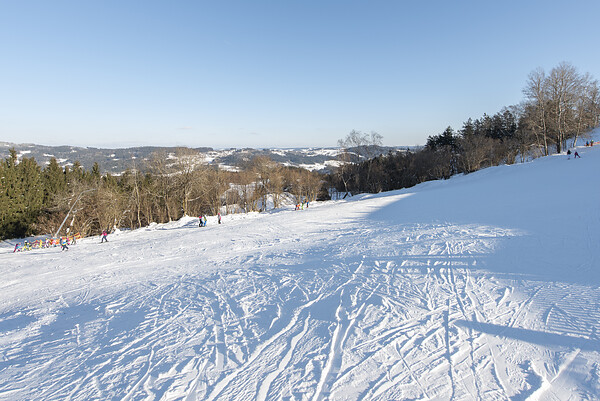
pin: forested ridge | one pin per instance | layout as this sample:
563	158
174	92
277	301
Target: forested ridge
559	108
36	200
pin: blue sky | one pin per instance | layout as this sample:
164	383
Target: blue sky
273	73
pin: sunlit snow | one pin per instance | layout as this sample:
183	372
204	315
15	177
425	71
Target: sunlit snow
481	287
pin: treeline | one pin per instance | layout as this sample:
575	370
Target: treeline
36	200
559	107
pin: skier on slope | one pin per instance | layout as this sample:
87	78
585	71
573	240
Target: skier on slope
104	235
63	244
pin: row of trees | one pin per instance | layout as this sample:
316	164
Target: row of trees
36	201
559	107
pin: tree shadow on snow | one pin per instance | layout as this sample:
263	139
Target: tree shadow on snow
549	340
502	241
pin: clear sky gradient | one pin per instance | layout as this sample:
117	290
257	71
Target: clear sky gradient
273	73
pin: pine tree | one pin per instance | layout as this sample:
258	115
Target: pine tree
21	195
55	181
95	174
31	184
12	203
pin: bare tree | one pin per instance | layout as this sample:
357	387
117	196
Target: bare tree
261	167
136	195
476	151
164	185
110	206
560	106
245	188
587	107
564	88
216	187
354	148
313	185
185	175
536	94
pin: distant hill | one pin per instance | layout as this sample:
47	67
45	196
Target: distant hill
115	161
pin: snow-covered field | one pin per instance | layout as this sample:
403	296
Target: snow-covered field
481	287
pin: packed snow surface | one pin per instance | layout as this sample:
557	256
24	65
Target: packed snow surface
481	287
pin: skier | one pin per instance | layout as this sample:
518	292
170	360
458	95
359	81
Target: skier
203	221
569	154
63	244
576	155
104	234
200	220
219	217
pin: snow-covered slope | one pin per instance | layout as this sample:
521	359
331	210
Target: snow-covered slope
484	286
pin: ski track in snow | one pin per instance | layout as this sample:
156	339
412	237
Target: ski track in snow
329	303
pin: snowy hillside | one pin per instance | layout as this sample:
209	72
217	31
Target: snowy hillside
116	161
481	287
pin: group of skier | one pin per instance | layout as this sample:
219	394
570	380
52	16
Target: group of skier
64	242
300	206
202	220
66	248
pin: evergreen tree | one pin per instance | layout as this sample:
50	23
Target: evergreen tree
76	173
55	181
21	197
468	128
30	174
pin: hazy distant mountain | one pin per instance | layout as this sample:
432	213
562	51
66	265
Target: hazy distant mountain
116	161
